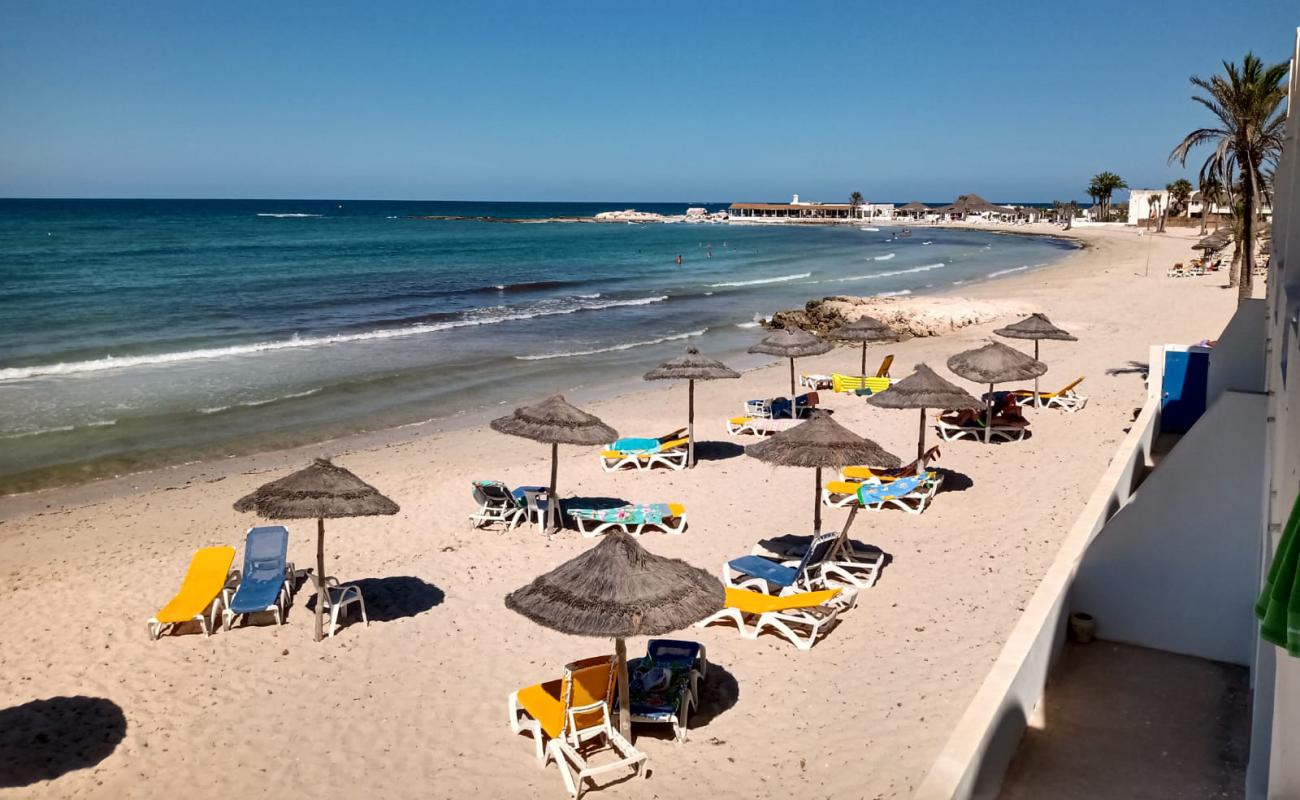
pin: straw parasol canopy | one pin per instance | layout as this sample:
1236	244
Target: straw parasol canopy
1036	327
320	491
691	367
923	389
915	206
615	590
792	343
820	443
995	363
864	329
553	421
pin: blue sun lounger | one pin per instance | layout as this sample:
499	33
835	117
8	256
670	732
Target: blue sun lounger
757	572
264	582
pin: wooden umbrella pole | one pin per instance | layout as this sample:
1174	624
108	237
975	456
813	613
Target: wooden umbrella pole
988	418
690	424
1038	398
792	394
552	499
864	363
320	578
920	445
842	549
624	701
817	502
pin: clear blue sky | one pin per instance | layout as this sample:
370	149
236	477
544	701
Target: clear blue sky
606	100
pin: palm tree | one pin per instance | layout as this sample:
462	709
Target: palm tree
1180	191
1211	189
1246	100
1107	183
855	202
1094	191
1156	226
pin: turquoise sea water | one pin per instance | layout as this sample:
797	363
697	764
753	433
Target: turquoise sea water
138	333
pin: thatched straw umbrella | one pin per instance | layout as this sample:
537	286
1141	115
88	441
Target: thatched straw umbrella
865	330
320	491
821	443
923	389
994	363
691	367
615	590
555	422
1036	327
792	343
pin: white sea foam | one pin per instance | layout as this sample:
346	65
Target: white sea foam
748	325
890	274
885	257
284	216
868	229
103	423
758	281
613	348
587	296
118	362
254	403
927	242
898	293
1008	271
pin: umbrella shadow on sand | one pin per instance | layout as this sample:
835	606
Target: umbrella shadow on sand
718	451
392	598
43	739
953	481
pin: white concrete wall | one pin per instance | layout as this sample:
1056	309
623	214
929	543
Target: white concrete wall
1140	201
985	739
1176	568
1237	361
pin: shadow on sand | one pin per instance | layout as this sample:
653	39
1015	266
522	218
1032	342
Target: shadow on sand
43	739
391	598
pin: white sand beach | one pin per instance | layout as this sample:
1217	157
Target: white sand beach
415	704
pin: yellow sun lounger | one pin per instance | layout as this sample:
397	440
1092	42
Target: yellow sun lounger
1065	399
848	384
563	716
811	612
208	574
643	453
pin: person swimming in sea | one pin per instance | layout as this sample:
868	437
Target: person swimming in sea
679	261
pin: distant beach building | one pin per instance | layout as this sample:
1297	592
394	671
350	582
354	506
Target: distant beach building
913	210
1141	207
972	206
807	211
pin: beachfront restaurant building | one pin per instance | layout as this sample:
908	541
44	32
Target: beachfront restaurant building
1155	658
807	211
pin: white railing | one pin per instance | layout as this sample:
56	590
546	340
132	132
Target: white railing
982	744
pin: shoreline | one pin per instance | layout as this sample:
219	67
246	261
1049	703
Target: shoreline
249	458
441	652
178	475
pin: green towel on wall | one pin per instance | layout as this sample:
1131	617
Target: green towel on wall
1279	604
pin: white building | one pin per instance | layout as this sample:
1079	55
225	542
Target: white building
807	211
1142	204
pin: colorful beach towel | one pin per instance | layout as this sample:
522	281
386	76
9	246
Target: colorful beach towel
649	514
873	493
1279	604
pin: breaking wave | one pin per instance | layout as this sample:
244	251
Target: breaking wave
614	348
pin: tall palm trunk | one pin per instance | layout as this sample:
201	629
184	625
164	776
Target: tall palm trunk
1236	266
1245	287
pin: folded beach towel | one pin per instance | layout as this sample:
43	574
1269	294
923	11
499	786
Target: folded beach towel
635	444
1278	607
